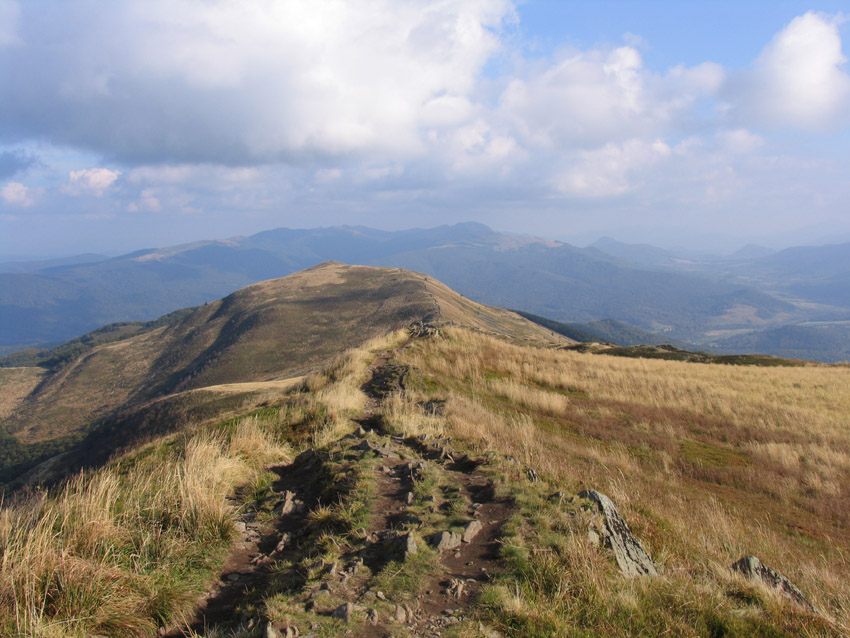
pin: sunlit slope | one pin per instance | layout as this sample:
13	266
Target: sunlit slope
706	464
710	462
271	330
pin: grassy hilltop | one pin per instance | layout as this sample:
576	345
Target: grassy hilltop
316	503
126	381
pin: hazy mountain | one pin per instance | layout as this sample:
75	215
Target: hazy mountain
605	331
752	251
637	254
45	264
647	288
829	343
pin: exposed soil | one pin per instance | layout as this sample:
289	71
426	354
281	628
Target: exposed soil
448	595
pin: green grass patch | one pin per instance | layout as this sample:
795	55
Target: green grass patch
712	456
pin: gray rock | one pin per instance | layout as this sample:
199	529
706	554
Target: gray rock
455	588
384	452
288	505
471	531
343	612
752	568
615	535
285	540
412	470
444	541
372	616
271	632
401	545
400	614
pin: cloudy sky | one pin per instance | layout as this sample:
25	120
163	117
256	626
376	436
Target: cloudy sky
127	124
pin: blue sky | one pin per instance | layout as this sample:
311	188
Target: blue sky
133	124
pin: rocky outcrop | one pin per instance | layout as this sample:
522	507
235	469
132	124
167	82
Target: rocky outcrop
614	534
752	568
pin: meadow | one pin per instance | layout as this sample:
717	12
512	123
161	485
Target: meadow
707	463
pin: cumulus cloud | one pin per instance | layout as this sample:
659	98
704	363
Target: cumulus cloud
17	195
90	181
590	98
241	83
798	79
611	171
343	109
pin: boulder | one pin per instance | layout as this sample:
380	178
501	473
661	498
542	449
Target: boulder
615	535
471	531
752	568
444	541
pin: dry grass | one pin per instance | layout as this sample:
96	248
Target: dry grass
120	551
332	397
708	462
17	383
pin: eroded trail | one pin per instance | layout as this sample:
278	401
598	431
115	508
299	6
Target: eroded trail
428	542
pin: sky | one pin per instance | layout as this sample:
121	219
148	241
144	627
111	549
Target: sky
131	124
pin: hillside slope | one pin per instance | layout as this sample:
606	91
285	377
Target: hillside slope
273	330
468	485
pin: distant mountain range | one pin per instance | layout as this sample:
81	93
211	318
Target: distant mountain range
669	297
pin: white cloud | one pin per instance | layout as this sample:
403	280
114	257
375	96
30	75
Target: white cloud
91	181
247	110
147	201
611	170
239	83
797	79
739	140
590	98
10	14
18	195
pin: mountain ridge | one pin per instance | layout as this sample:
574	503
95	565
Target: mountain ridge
691	302
269	331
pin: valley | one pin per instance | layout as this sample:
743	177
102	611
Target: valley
763	304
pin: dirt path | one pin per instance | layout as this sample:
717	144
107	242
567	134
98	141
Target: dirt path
450	591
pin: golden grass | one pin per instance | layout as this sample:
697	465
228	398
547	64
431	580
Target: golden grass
277	386
707	462
16	383
334	393
122	550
